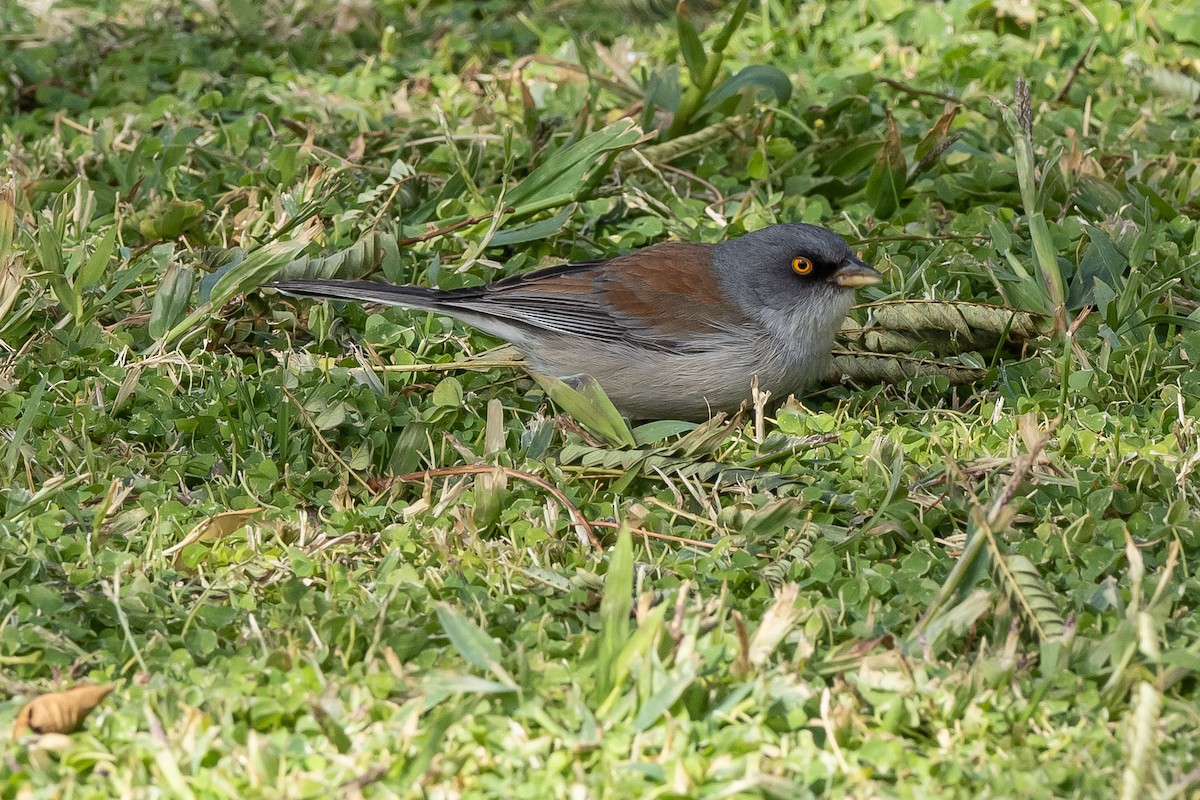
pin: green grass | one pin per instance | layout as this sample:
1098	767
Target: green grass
907	588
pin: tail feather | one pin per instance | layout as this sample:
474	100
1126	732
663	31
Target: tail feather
363	292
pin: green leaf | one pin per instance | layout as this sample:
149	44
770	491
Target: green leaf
561	178
970	567
638	651
433	728
756	169
651	432
938	134
1021	581
93	270
251	272
328	415
731	25
702	84
1142	242
412	441
653	709
50	254
171	299
769	80
958	619
439	685
1023	289
848	161
584	399
224	261
1101	260
1002	238
66	294
171	219
472	642
690	45
615	607
535	231
50	249
1190	322
1046	258
448	393
254	270
332	728
29	411
357	260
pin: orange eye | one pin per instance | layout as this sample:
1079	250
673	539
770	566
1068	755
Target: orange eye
801	265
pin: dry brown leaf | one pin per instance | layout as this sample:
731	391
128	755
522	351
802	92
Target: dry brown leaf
960	319
896	369
941	326
43	750
217	526
779	620
60	712
1030	429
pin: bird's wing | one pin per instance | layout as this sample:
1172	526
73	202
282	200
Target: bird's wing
664	297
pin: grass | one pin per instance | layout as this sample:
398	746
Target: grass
905	588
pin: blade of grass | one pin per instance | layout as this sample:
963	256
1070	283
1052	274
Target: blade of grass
615	607
472	643
29	410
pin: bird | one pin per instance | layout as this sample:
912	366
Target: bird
675	330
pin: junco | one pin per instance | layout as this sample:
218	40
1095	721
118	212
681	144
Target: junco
672	331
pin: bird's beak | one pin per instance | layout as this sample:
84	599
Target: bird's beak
853	272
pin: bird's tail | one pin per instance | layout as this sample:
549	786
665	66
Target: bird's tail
363	292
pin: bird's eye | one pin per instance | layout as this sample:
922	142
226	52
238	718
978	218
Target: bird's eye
801	265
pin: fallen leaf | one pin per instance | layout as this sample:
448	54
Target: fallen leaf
60	712
217	526
779	620
43	749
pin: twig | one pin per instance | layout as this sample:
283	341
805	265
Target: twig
903	87
1182	785
317	432
626	90
366	779
666	537
923	237
1083	314
1022	466
717	196
1074	73
436	232
582	526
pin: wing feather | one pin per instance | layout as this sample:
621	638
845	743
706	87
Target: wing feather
664	297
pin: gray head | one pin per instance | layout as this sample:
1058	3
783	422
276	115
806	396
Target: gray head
776	266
